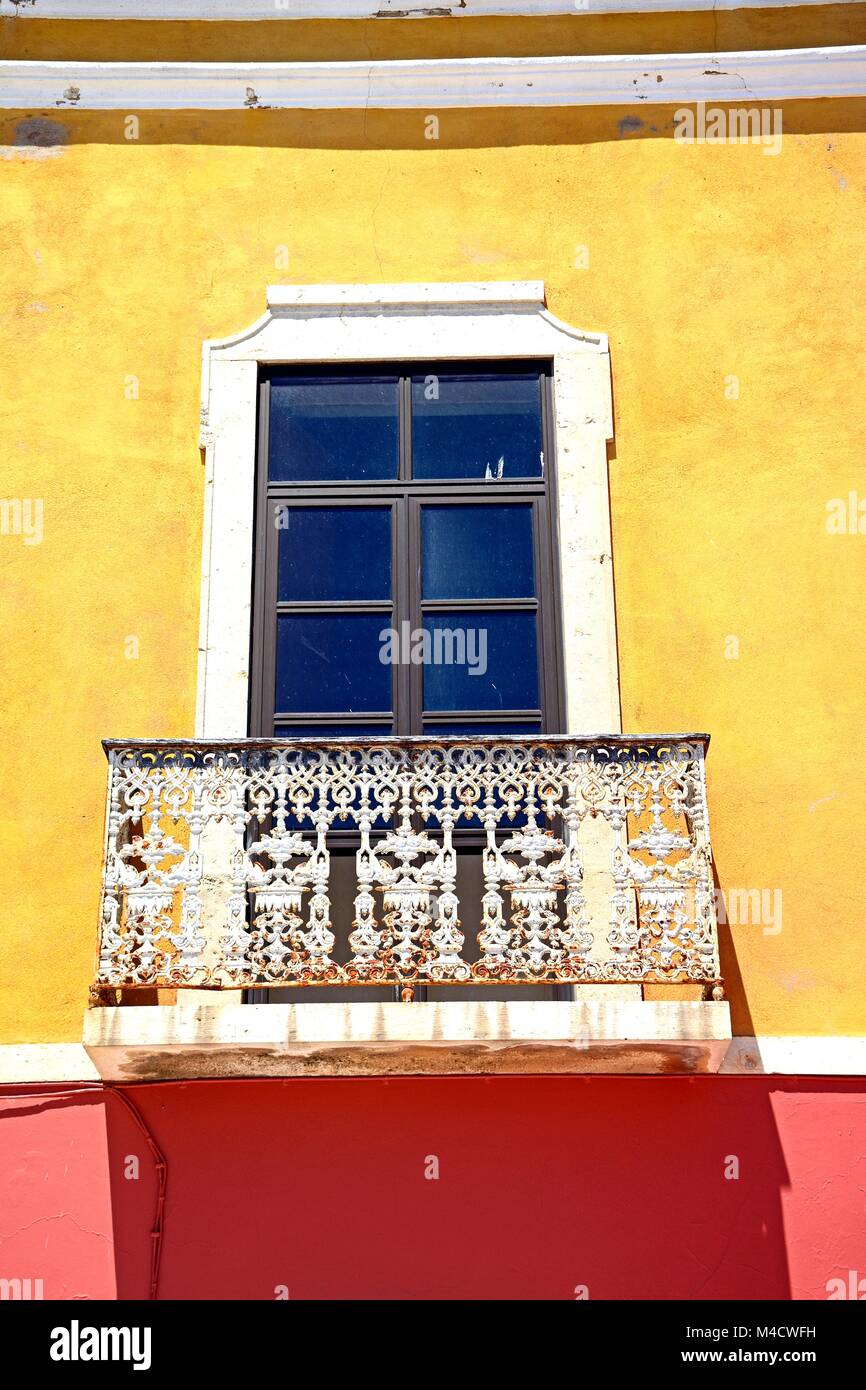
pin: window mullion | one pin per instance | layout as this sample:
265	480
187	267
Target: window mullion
400	696
413	608
404	471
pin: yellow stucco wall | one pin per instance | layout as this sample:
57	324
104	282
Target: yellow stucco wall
685	31
118	257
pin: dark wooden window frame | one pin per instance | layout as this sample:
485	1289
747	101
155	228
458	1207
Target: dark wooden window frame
406	495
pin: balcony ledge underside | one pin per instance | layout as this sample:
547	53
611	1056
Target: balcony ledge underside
196	1040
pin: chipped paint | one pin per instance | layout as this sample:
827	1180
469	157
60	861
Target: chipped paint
36	137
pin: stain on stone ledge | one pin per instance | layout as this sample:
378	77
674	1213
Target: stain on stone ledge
187	1063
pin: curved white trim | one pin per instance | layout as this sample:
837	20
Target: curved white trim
436	84
426	322
361	9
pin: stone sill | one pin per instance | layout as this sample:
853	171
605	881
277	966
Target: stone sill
154	1043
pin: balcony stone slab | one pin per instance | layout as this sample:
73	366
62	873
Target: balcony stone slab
198	1040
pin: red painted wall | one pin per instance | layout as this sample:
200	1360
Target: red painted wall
545	1183
55	1192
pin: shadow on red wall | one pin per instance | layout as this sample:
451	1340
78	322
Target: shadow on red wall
545	1184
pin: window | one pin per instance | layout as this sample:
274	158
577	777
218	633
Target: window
380	442
405	579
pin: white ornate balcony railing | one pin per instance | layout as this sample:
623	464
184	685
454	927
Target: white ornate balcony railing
595	855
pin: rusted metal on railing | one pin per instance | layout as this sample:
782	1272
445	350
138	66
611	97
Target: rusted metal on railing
595	855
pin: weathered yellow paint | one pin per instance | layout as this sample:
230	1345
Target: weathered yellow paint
689	31
118	257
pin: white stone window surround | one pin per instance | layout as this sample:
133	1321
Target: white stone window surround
332	324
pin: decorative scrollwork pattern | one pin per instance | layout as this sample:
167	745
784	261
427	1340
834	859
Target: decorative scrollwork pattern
595	857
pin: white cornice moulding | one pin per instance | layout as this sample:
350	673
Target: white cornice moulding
362	9
28	1064
435	84
37	1063
807	1055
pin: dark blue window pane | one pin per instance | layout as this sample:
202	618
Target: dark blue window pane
334	553
330	661
533	727
477	552
328	428
479	425
333	731
449	730
483	661
296	731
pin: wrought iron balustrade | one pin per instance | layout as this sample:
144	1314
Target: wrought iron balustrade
594	854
